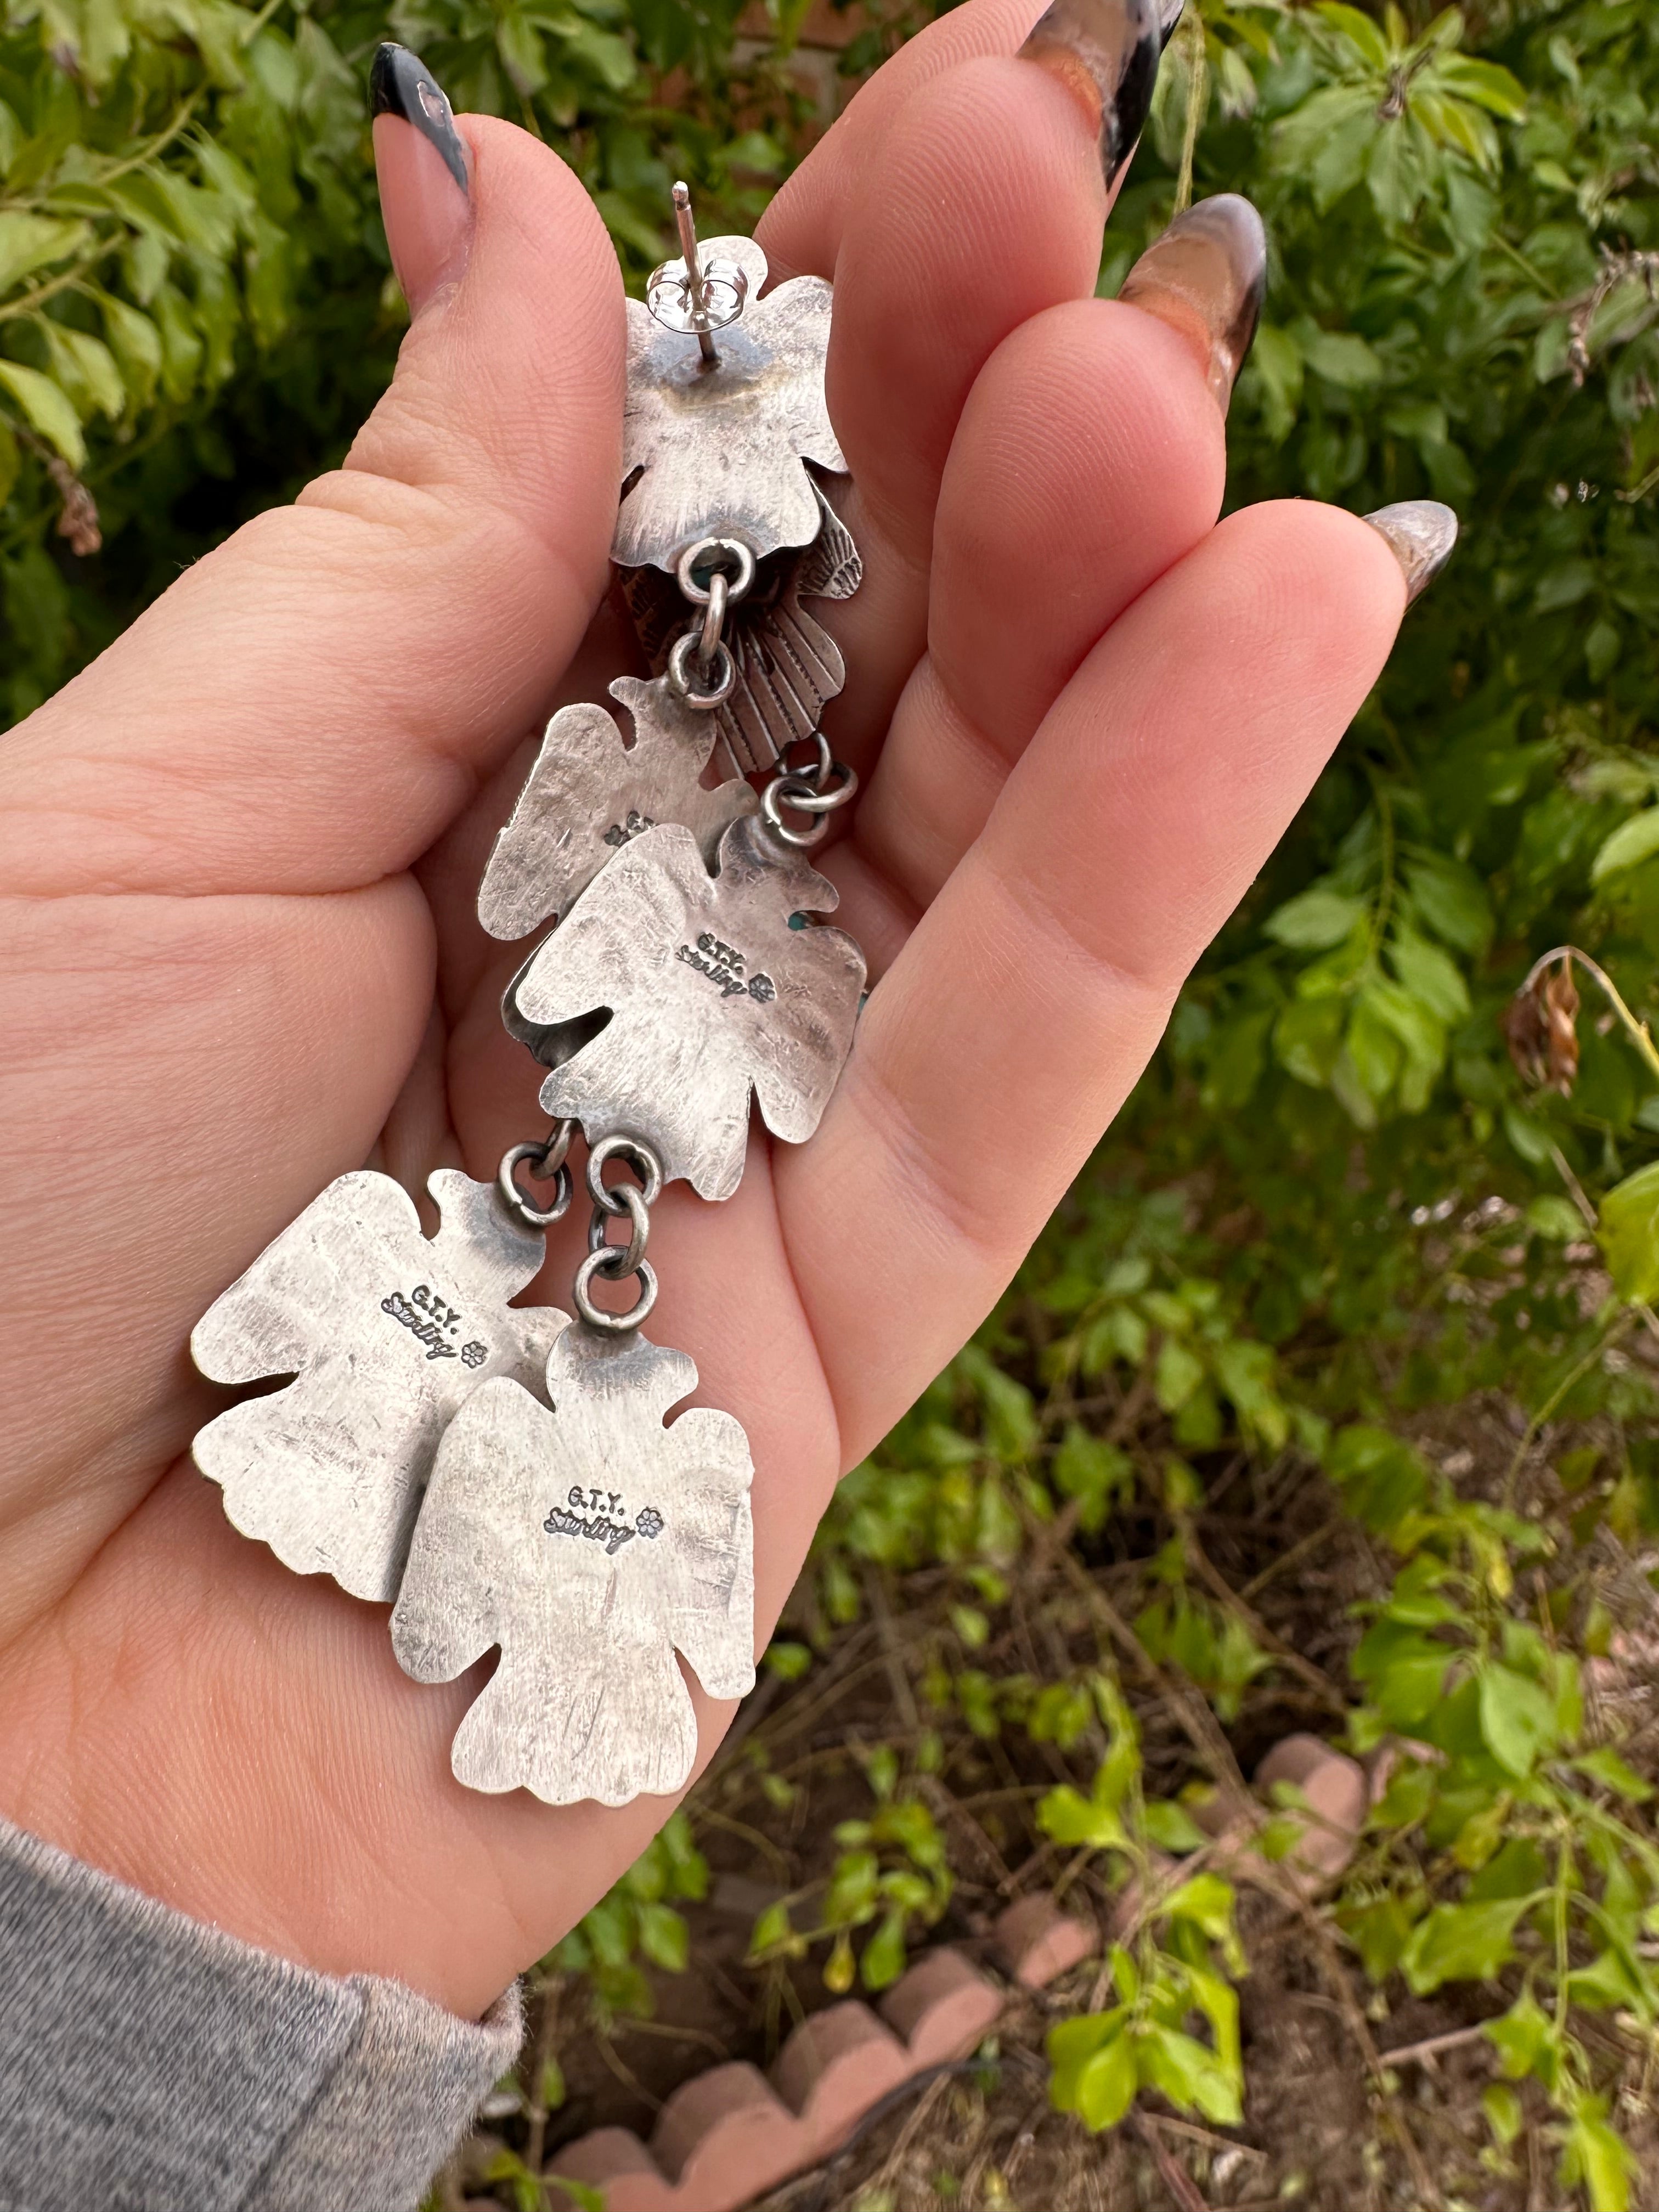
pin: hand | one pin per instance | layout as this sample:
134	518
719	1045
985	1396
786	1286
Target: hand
240	954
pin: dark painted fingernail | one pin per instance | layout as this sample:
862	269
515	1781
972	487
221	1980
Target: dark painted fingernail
1169	15
1105	54
1205	278
424	172
1422	533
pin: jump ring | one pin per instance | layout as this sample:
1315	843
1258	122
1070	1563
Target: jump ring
641	1158
782	792
822	802
639	1234
820	768
612	1324
713	617
724	670
514	1198
728	552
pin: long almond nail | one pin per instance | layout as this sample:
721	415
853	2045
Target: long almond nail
424	172
1422	533
1105	54
1205	278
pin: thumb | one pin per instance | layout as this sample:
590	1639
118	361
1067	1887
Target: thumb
308	707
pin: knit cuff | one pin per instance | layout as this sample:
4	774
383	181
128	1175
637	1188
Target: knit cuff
150	2061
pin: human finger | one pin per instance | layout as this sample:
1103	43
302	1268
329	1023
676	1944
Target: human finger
1041	542
1034	989
950	210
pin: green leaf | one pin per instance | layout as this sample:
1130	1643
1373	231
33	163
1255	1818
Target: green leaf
1171	1826
1487	83
1189	2074
1629	1233
1604	1765
773	1931
1072	1820
1207	1900
883	1954
578	2193
1106	2084
28	242
1503	2114
1316	919
1072	2044
1097	1474
137	344
1461	1943
1178	1373
1361	33
663	1937
47	409
1596	2157
1521	2035
1341	357
1517	1719
1630	843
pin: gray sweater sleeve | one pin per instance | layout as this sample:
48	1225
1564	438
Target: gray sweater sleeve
148	2062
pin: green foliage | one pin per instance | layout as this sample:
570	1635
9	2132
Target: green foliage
1171	1977
635	1925
890	1873
196	303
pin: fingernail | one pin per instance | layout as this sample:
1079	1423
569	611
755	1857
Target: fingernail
1205	278
1105	54
421	160
1169	15
1422	533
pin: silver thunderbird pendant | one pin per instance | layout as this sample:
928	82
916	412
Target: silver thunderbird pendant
711	994
590	1542
588	796
385	1333
715	443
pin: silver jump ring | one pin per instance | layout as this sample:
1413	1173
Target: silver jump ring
812	801
780	794
713	617
633	1252
822	767
613	1324
641	1158
723	554
549	1158
723	671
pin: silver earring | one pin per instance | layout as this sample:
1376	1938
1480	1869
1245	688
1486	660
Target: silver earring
507	1476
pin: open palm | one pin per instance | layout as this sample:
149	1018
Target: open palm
239	952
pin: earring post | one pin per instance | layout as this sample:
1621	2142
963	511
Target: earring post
688	230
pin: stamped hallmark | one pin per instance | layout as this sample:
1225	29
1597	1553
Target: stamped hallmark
432	1320
725	966
634	825
589	1516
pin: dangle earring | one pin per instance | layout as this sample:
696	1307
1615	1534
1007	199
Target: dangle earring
507	1475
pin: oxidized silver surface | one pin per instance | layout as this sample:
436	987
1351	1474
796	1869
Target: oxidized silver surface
386	1332
720	447
587	797
788	667
591	1543
710	992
